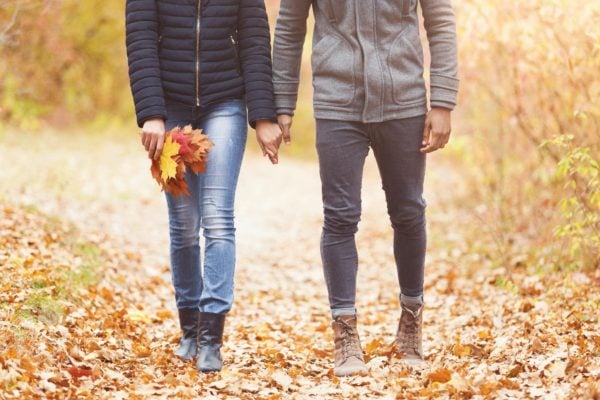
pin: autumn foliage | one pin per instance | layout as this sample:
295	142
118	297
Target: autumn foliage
184	148
513	269
527	131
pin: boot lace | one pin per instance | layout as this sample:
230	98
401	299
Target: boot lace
350	341
411	324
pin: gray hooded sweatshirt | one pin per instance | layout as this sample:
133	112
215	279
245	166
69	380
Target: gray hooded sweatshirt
367	58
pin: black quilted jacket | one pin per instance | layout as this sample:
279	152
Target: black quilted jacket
199	52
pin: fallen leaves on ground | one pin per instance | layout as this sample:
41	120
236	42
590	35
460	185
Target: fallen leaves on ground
89	313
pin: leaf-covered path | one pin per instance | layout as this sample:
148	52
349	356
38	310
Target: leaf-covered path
489	333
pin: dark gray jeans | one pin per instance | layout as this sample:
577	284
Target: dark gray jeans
343	147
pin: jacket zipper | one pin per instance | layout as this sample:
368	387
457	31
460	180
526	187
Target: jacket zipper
198	14
237	57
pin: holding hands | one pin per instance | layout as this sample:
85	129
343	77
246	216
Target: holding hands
268	135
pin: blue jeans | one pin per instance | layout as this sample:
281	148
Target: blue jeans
342	147
209	207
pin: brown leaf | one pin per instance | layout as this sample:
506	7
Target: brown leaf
441	375
536	346
515	370
78	372
509	384
461	351
161	315
488	388
376	347
484	335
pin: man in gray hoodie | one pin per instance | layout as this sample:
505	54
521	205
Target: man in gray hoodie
369	92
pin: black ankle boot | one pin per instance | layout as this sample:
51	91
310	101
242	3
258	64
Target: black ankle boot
188	320
210	339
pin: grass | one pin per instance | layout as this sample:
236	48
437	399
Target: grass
87	273
39	284
43	307
507	285
45	303
53	283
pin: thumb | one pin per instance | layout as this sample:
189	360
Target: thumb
287	136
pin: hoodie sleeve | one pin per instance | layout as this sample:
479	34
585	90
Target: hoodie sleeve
287	55
441	33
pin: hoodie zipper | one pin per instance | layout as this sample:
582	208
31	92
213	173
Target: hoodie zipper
406	5
198	14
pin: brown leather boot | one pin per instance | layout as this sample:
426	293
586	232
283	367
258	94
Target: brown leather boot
349	358
408	344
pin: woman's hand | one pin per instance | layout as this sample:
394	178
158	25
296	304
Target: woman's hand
153	137
268	135
437	130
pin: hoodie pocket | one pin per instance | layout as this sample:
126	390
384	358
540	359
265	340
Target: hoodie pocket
406	70
334	77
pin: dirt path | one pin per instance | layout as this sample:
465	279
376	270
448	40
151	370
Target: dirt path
278	342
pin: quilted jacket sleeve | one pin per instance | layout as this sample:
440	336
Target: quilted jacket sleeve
142	55
254	41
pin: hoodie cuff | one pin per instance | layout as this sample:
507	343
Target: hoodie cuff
286	97
444	91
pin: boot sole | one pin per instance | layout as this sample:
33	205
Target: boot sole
355	372
184	358
413	362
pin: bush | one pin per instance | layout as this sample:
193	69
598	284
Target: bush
529	74
62	60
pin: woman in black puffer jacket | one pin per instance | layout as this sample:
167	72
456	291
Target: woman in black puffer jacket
206	63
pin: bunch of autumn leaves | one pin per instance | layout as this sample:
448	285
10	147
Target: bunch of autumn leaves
183	148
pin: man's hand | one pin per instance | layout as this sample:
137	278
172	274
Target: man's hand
268	135
438	126
285	123
153	137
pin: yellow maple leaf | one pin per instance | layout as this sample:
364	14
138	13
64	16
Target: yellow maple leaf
168	166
